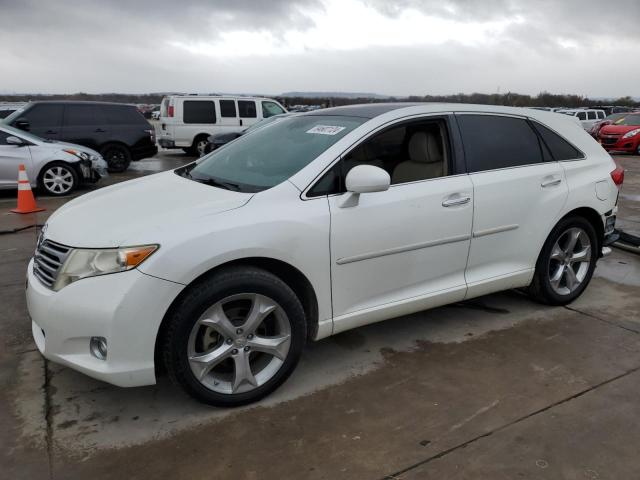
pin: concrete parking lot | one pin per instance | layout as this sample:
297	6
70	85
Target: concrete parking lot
496	387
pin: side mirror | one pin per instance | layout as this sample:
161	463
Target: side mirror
22	124
364	179
14	141
367	179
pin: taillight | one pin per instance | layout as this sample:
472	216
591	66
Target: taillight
170	111
618	176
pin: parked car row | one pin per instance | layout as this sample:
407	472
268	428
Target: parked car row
118	131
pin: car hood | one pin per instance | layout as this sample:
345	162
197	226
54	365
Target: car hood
138	211
618	129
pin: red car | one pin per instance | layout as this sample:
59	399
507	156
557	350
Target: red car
623	135
594	131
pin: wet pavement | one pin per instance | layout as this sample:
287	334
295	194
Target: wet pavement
497	387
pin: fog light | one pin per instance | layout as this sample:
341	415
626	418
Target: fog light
98	347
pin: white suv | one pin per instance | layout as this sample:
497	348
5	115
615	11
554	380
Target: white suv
221	270
587	117
186	121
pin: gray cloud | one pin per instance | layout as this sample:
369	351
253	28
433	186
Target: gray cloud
100	46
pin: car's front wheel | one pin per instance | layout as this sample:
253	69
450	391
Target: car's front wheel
58	178
234	337
566	264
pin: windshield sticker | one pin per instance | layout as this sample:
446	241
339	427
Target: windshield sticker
326	129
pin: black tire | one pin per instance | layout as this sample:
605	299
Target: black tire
118	157
540	288
204	294
199	146
58	169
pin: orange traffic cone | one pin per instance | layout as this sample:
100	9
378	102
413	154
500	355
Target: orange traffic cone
26	202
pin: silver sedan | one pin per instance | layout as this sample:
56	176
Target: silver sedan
55	167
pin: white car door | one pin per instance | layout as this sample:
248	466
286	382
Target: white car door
248	113
519	191
404	249
11	156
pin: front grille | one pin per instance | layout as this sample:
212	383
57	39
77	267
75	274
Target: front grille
609	140
48	260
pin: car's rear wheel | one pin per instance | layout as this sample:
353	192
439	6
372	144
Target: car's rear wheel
58	178
117	157
566	263
235	337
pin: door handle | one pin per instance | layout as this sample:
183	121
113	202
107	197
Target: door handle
50	132
551	183
453	202
99	130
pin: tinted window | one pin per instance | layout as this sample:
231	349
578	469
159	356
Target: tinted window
247	108
5	113
591	115
600	115
123	115
3	137
492	142
43	115
628	120
270	109
582	115
228	108
199	111
559	147
79	115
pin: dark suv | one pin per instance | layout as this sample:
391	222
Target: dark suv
118	131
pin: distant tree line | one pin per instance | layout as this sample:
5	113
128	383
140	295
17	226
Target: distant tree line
544	99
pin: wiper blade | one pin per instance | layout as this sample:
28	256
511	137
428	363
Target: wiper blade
218	183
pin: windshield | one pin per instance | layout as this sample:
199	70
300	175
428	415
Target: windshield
265	122
628	120
22	134
270	155
616	116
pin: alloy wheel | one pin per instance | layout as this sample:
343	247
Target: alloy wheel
569	261
239	343
201	146
58	180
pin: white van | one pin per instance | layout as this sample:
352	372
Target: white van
587	117
187	120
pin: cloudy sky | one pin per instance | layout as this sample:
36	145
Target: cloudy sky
395	47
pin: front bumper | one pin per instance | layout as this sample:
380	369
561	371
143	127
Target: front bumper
125	308
629	145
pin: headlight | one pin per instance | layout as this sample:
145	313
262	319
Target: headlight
83	263
77	153
631	133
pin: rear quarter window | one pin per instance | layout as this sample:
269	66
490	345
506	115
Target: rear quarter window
492	142
560	148
44	115
123	115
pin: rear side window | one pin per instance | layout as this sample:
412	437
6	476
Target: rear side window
492	142
559	147
44	115
600	115
199	111
269	109
123	115
247	108
80	115
228	108
591	115
582	115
